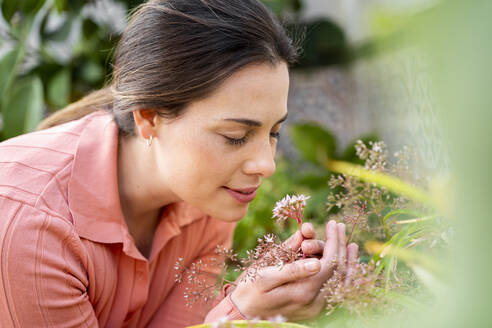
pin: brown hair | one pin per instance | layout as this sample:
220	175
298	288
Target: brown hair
174	52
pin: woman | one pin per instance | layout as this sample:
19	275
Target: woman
156	167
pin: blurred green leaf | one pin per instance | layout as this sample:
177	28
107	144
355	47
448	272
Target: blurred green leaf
31	6
10	7
7	66
314	181
62	32
89	28
24	108
76	5
313	142
92	72
324	43
279	7
59	88
60	5
429	278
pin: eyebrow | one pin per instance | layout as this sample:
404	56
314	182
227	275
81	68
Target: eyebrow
249	122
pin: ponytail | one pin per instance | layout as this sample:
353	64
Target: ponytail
97	100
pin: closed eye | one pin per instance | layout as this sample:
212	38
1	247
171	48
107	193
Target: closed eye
235	141
241	141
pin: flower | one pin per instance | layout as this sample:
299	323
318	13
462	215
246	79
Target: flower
290	207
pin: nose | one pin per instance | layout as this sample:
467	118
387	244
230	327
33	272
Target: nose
261	161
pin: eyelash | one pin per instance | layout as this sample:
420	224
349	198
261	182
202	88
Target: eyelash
239	142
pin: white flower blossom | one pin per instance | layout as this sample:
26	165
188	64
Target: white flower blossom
290	206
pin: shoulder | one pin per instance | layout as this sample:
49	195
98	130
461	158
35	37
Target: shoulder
35	168
31	234
43	264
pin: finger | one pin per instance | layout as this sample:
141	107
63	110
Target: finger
308	231
331	245
313	308
308	309
312	247
271	277
342	247
352	260
294	241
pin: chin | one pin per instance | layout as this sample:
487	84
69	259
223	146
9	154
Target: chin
231	215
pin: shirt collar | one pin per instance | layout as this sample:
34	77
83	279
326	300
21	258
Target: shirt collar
93	190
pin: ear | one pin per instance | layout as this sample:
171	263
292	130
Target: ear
145	122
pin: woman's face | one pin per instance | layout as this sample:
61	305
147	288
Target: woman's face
216	154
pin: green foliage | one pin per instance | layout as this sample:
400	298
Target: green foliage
281	7
87	44
50	81
404	240
324	44
59	88
23	109
313	142
60	5
22	7
8	64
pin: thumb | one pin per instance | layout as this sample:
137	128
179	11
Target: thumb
294	241
271	277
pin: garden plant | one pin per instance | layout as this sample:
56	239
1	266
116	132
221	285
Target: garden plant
401	219
389	210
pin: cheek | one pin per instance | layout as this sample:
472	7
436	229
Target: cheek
198	164
207	163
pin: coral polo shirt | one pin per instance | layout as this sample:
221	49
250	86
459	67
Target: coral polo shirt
66	256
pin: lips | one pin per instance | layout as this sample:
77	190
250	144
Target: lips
243	195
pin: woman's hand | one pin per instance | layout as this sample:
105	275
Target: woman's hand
305	239
294	290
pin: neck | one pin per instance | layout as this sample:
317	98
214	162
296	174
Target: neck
141	195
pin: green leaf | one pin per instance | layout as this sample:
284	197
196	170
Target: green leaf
60	5
315	143
77	5
276	6
7	67
24	108
59	88
314	181
32	6
62	33
92	72
9	7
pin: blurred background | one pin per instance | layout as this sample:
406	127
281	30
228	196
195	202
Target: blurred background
412	73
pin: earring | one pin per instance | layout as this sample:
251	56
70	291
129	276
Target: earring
149	141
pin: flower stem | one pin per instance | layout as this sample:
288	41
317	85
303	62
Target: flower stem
302	237
352	231
393	184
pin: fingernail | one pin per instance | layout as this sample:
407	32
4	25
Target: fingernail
312	266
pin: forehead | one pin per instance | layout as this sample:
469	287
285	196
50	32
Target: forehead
257	91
